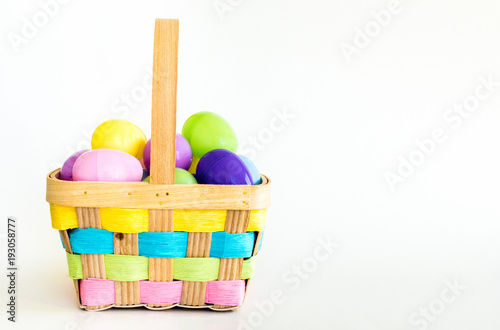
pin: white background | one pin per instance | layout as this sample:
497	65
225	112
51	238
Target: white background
351	120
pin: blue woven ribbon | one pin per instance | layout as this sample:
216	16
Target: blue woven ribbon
163	245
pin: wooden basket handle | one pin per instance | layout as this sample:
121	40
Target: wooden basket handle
164	103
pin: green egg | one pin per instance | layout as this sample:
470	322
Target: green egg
207	131
184	177
181	177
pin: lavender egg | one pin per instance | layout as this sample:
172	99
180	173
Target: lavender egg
67	168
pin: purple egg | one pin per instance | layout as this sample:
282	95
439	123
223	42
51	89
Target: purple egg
67	168
146	156
183	153
221	166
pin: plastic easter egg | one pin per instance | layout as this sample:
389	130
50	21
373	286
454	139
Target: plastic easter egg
222	166
107	165
184	177
146	156
183	153
194	164
181	177
207	131
67	168
120	135
253	169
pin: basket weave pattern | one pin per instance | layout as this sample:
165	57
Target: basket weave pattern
104	278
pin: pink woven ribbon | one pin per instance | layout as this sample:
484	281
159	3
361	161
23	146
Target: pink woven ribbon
230	293
161	292
97	292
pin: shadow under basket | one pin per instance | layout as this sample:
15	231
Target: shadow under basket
159	245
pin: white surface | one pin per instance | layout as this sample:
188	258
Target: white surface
352	122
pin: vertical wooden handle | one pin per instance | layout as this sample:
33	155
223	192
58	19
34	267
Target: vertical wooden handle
163	135
163	121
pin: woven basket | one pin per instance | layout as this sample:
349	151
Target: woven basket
159	245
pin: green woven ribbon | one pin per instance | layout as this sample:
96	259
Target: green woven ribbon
136	268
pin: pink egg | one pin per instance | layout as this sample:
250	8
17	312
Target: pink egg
107	165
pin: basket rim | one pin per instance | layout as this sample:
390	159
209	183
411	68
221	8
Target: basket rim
139	195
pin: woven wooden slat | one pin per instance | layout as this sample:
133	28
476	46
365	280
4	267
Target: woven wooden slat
92	264
258	239
127	293
230	268
161	269
193	293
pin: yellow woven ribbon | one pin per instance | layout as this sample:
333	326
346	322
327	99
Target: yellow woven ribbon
137	220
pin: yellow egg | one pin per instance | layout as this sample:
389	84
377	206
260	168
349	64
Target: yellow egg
192	169
121	135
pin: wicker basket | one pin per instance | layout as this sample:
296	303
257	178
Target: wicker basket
159	245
